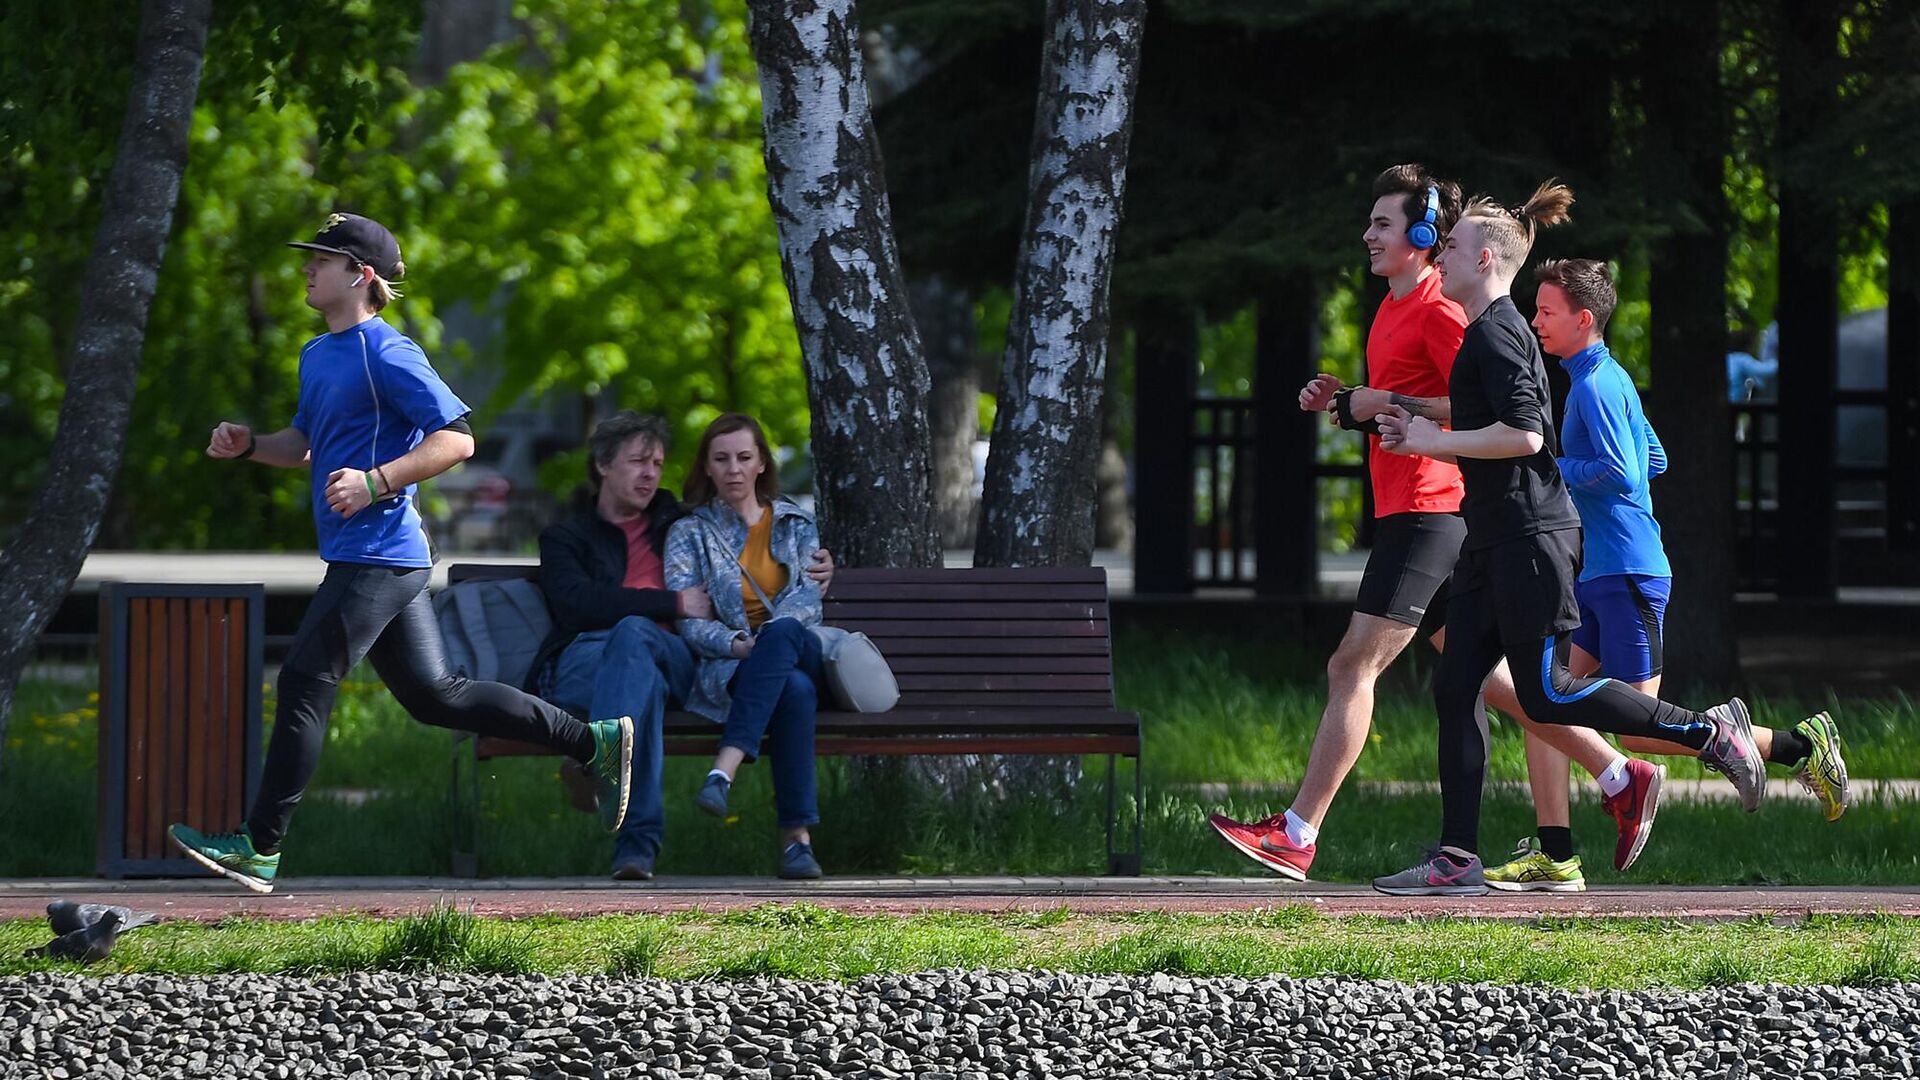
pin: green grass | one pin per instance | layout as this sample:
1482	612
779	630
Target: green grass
805	942
1213	711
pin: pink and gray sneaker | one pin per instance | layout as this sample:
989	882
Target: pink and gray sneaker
1732	753
1439	873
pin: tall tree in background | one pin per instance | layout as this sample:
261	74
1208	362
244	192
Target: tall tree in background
945	316
1683	140
866	374
44	555
1038	503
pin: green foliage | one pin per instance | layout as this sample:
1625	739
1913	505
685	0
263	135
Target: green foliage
599	186
594	189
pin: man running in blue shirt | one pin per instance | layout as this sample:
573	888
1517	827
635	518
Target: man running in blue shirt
1609	456
374	420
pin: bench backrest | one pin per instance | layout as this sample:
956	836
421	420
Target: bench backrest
1032	637
1029	637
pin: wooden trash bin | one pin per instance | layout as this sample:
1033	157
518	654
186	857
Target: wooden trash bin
180	688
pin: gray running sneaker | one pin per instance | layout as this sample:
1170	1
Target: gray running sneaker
1439	873
1732	753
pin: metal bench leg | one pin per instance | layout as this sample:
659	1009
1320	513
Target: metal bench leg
1123	864
1112	864
1139	814
466	806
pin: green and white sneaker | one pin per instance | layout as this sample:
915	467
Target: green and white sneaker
1533	870
612	768
1824	773
231	854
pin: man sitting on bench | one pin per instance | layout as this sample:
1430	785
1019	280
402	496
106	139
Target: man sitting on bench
613	641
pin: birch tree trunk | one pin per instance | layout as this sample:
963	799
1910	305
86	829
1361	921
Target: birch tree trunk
945	316
1038	503
45	554
866	375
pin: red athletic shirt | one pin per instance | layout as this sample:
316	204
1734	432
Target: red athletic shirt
1410	351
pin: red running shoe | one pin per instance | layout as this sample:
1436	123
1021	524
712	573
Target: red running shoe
1634	808
1266	843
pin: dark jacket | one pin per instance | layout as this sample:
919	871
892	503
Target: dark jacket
583	560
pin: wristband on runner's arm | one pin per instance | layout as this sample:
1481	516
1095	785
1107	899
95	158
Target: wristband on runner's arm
1343	411
252	442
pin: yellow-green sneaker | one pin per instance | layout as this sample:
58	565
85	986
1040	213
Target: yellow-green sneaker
1530	870
1824	773
231	854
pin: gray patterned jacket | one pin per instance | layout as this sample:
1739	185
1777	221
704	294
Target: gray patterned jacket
704	548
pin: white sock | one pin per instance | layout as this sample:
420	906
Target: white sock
721	773
1613	779
1299	833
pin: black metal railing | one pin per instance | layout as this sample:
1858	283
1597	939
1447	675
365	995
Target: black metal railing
1221	441
1756	489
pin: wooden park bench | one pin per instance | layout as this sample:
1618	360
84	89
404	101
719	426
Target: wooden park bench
990	661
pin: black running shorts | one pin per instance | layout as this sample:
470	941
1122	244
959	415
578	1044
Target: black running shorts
1530	582
1412	556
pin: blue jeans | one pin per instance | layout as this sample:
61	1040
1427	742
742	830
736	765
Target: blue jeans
776	692
635	669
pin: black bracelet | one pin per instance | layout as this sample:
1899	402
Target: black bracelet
251	443
1343	411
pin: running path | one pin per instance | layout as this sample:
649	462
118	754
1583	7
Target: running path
209	900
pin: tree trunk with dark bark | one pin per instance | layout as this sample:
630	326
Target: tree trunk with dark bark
1685	136
1038	504
45	554
944	314
866	374
1903	375
1809	309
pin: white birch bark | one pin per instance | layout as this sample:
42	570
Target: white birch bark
1038	504
866	375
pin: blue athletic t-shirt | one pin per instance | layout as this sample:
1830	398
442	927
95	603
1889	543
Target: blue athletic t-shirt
1610	455
367	396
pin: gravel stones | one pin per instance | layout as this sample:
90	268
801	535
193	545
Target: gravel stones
957	1025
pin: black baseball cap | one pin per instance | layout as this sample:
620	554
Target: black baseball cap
361	239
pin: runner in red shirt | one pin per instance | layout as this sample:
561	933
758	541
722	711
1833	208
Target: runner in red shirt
1410	354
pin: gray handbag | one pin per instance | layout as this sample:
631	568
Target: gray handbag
857	675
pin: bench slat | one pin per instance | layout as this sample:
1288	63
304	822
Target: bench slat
909	664
979	628
1001	681
1086	699
989	610
992	647
891	592
978	574
1123	745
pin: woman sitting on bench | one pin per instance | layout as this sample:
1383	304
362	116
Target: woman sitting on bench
759	666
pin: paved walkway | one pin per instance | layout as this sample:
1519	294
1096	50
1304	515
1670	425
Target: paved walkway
209	900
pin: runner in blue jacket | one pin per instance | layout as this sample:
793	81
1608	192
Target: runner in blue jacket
1609	456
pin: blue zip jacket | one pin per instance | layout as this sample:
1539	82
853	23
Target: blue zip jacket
1609	456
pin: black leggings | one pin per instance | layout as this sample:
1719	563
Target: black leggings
1547	691
383	613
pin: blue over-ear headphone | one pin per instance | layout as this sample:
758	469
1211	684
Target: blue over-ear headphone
1423	234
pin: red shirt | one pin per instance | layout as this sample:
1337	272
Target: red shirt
1410	351
644	568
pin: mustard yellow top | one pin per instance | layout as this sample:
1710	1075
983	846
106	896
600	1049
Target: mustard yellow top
757	559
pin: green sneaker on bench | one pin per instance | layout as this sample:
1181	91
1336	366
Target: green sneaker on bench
231	854
612	768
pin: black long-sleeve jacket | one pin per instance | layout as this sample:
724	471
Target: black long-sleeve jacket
583	560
